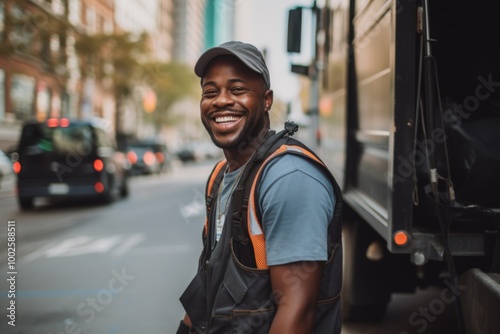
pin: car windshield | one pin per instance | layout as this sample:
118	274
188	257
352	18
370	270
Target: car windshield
70	139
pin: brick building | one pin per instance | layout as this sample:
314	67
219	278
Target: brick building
33	72
41	74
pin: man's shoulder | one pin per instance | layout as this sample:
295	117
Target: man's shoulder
294	170
289	163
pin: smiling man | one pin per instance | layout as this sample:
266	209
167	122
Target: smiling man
234	106
272	253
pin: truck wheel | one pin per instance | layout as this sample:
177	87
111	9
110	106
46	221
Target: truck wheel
26	203
365	291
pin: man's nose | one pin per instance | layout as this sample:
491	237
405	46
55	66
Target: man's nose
223	99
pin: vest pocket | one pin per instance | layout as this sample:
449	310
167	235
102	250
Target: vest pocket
235	283
244	303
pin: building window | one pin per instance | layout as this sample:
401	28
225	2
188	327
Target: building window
75	12
91	18
55	43
58	7
108	27
22	34
22	95
43	99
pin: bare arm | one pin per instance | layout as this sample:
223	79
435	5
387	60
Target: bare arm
296	286
186	320
184	326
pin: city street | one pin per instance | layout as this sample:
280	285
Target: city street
120	268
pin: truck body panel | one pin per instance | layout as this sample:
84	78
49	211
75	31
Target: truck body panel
410	122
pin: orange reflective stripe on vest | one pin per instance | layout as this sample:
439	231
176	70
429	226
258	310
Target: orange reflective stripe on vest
254	225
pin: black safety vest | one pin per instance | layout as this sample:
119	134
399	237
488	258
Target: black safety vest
231	292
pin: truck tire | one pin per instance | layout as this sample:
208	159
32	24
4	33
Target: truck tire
480	300
365	291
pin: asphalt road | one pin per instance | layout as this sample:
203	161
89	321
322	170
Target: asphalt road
120	268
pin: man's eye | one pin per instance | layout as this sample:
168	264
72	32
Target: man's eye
237	90
209	93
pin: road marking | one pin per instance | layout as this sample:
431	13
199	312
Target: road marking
84	245
117	245
40	252
128	244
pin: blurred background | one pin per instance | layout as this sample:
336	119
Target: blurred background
119	266
128	61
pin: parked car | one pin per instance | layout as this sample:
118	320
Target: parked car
148	157
143	159
187	153
69	158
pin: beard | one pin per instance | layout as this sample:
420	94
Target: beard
249	137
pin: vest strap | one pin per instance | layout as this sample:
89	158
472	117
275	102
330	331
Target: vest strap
254	225
213	183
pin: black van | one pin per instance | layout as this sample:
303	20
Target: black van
67	158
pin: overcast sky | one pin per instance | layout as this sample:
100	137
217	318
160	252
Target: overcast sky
264	24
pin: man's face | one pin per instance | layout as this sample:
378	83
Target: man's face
234	104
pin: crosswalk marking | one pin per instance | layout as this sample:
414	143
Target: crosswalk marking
128	244
37	254
66	246
117	245
84	245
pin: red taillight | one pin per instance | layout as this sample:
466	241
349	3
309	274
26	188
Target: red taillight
132	157
98	165
64	122
52	122
99	187
160	157
149	158
16	167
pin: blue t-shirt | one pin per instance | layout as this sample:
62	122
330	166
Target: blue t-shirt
296	200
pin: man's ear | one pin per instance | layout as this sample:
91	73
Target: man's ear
268	99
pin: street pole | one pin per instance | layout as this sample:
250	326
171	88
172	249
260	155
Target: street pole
311	71
314	77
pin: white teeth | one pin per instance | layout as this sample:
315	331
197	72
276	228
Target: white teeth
224	119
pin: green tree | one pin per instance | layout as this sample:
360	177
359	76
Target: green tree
171	82
29	30
124	59
117	56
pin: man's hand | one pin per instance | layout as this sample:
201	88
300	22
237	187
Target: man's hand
296	287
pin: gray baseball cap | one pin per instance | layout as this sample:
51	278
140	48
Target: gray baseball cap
247	53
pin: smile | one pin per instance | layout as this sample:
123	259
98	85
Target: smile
226	119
